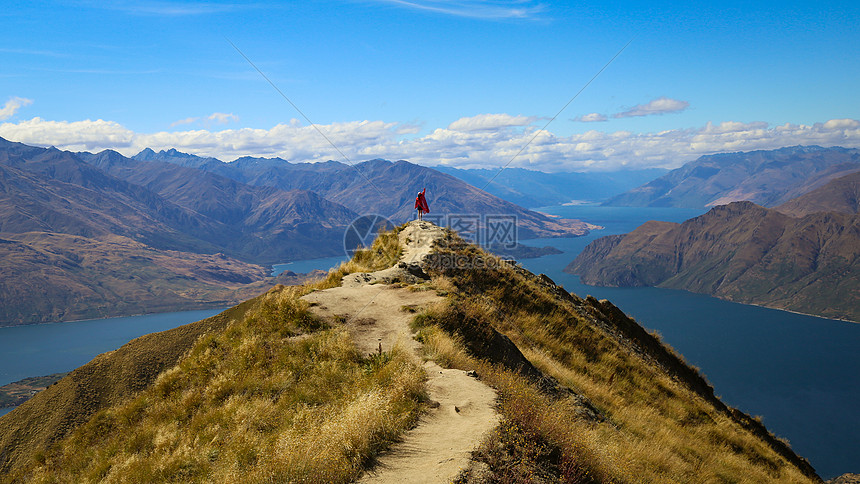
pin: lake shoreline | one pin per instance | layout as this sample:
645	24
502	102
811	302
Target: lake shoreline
179	309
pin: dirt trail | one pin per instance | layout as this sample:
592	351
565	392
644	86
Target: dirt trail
376	313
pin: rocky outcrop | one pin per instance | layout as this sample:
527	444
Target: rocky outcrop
845	479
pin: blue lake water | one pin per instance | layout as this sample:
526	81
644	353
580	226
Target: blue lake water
801	373
43	349
301	266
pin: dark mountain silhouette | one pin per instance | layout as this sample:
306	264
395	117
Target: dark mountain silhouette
741	252
767	178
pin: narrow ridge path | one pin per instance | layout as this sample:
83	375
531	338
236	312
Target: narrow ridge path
376	312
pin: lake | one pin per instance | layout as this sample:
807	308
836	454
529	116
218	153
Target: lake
43	349
303	266
801	373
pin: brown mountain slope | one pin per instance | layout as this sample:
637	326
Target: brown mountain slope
256	223
741	252
839	195
271	393
399	182
53	191
59	277
767	178
103	235
377	187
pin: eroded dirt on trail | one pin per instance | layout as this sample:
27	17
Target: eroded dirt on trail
377	312
373	314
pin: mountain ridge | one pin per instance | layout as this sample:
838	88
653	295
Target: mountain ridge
585	393
838	195
383	187
104	205
741	252
765	177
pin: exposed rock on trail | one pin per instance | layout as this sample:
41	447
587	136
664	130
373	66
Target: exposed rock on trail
372	308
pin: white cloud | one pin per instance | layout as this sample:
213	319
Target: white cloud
591	118
479	141
842	123
13	105
184	121
661	105
75	136
222	118
480	9
484	122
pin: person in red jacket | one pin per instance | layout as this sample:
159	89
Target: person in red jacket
421	204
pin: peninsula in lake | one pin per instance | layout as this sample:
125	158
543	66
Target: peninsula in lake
803	255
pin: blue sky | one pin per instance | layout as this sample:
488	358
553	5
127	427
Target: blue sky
466	83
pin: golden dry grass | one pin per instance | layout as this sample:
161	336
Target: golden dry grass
274	398
277	396
656	429
280	397
384	253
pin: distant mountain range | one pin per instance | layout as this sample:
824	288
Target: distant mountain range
802	256
840	195
767	178
532	189
94	235
374	187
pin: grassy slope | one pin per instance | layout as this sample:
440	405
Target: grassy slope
267	393
262	391
660	420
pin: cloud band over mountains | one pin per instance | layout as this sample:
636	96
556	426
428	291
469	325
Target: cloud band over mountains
487	140
661	105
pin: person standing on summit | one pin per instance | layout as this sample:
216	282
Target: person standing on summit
421	204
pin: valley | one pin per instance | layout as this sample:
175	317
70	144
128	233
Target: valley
188	268
286	328
88	235
635	256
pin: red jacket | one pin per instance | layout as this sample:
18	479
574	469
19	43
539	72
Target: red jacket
421	202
